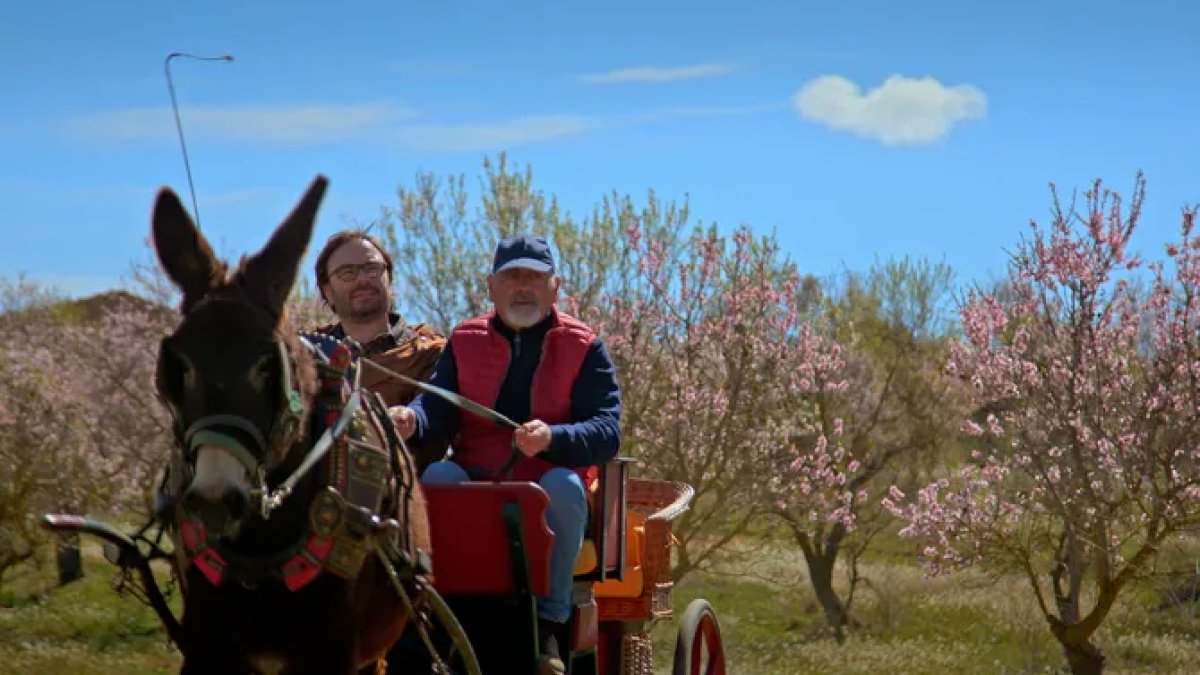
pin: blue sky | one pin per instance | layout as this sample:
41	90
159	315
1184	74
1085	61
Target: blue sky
852	129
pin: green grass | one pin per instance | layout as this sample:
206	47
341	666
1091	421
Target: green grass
84	627
769	621
964	623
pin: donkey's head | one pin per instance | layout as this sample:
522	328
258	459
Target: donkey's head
230	373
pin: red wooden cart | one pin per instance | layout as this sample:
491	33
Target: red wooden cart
491	552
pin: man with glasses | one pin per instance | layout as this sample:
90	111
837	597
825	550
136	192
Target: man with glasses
354	276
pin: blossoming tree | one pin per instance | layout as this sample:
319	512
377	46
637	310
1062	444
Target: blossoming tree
874	409
443	249
83	431
709	342
1087	387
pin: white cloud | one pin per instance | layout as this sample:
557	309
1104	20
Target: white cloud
377	124
661	73
283	125
494	135
316	124
901	111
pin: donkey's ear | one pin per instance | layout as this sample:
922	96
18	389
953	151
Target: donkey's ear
183	251
271	273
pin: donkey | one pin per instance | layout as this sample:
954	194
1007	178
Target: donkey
266	587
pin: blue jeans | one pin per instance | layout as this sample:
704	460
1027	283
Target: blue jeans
567	518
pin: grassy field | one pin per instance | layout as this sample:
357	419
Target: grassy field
961	624
82	628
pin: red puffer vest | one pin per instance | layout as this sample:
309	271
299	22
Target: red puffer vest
482	356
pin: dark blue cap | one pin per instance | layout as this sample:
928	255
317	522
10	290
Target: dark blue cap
528	252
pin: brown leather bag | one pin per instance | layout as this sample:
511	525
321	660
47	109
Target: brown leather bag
414	357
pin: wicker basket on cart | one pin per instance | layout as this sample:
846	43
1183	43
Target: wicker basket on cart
659	503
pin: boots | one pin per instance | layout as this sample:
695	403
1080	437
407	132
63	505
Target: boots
549	660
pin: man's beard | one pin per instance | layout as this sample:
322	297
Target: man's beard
522	316
366	308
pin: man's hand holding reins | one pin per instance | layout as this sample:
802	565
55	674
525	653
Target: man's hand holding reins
532	438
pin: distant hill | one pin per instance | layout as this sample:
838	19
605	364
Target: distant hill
94	307
89	309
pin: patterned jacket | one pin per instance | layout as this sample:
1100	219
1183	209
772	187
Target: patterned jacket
409	350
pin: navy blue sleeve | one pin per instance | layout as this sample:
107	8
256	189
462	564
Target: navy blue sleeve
595	435
437	418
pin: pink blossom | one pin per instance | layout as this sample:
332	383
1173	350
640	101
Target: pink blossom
1092	394
99	435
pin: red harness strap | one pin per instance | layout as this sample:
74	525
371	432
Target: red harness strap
306	565
206	559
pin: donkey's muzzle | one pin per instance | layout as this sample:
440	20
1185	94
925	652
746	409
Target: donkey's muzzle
221	515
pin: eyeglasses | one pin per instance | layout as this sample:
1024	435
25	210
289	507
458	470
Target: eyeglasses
350	272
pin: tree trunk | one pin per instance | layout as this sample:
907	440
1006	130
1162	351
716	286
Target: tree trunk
11	558
69	559
1084	658
820	574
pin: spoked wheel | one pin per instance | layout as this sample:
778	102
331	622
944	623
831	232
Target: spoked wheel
452	648
698	647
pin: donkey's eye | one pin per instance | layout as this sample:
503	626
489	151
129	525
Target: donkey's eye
260	373
175	374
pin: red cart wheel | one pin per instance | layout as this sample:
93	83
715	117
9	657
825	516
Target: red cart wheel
698	647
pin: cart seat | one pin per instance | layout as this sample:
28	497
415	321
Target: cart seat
467	522
631	581
603	537
642	593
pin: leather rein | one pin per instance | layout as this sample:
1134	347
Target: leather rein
463	403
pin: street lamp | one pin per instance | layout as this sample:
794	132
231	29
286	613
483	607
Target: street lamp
179	125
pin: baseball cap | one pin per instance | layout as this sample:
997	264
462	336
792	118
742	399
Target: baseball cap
524	251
